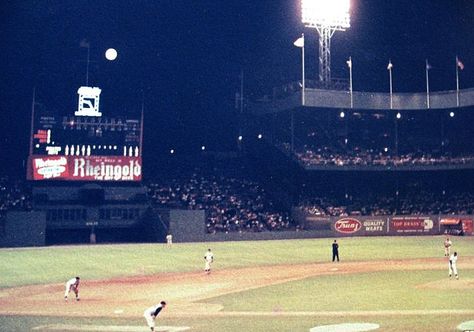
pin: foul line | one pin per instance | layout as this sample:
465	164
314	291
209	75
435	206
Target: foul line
328	313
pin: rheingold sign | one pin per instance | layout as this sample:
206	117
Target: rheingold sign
87	168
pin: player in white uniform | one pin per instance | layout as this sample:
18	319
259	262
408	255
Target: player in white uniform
169	240
151	313
447	247
72	285
209	258
452	265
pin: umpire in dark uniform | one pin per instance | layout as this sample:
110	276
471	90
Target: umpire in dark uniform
335	251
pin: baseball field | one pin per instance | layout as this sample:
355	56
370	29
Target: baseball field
380	284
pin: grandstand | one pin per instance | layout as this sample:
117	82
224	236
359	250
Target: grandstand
311	168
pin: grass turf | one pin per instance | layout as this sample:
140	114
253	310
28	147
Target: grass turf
343	292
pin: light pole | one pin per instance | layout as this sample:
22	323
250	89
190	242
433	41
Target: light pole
327	17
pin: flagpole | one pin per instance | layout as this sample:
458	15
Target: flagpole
241	91
457	81
303	74
87	66
349	63
298	43
391	86
427	85
33	103
142	124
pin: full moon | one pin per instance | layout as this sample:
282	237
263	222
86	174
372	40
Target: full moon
111	54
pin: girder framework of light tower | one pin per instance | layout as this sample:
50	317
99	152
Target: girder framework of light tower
327	17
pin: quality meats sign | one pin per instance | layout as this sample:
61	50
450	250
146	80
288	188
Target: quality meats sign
412	225
347	225
361	226
85	168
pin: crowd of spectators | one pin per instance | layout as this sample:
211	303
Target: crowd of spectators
370	157
231	203
413	203
14	195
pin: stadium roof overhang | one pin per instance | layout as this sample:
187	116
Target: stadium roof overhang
337	99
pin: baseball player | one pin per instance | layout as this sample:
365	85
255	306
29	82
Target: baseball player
452	265
169	240
209	258
151	313
335	251
72	285
447	247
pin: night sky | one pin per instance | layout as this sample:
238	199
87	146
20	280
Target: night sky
185	58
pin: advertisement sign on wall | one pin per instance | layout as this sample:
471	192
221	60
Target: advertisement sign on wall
412	225
85	168
361	226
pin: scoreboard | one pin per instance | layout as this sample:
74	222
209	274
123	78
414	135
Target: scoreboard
85	146
73	135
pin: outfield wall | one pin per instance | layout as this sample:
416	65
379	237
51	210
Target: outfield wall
23	229
189	226
392	225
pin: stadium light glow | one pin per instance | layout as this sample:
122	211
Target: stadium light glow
329	13
327	17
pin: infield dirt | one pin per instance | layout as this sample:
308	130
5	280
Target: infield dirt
128	297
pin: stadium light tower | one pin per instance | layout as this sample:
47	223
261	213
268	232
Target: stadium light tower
327	17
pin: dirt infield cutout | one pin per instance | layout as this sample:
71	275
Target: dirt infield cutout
346	327
107	328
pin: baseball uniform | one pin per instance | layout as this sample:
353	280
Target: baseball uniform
209	258
151	313
72	285
447	247
452	265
